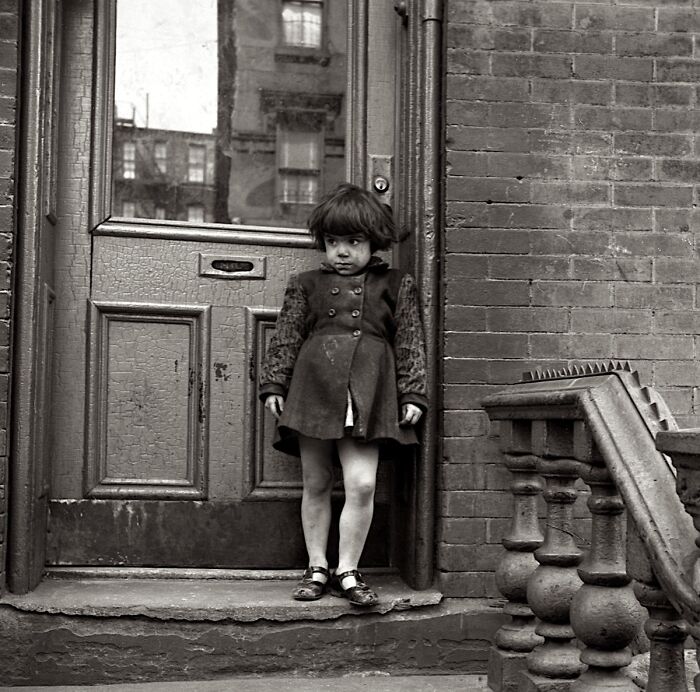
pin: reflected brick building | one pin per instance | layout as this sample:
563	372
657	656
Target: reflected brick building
163	174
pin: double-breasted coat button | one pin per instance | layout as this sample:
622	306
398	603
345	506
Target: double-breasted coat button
356	332
357	290
335	290
331	312
355	313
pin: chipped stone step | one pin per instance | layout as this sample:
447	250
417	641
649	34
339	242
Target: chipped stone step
138	630
377	682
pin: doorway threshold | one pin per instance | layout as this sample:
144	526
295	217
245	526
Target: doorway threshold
202	595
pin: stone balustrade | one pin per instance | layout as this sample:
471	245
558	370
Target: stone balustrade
575	613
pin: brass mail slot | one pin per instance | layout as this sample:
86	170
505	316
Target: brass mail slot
231	266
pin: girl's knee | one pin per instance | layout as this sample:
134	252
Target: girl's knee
320	482
360	491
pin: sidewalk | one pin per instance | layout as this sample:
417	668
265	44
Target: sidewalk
350	683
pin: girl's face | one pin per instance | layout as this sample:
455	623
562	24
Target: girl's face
348	254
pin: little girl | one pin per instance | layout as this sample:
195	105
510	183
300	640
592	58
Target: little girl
345	373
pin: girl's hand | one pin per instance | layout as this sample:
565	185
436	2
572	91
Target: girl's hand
411	414
275	404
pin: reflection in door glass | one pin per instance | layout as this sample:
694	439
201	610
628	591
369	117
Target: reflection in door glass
228	111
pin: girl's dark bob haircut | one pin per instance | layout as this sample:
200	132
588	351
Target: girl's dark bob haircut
350	210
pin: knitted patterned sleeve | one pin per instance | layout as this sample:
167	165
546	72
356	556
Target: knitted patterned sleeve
290	333
409	346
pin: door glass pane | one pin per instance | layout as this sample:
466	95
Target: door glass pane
228	111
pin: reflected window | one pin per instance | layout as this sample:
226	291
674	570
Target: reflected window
223	129
197	155
195	213
301	24
160	154
299	166
298	188
129	160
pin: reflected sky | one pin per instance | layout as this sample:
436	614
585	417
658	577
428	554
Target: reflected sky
166	64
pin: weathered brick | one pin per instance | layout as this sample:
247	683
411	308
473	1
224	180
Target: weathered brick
677	70
462	318
657	244
572	293
680	19
656	297
529	319
465	423
647	194
612	67
655	44
468	584
607	321
611	219
481	215
488	292
653	144
611	119
531	65
570	193
675	220
467	266
672	270
528	267
513	13
483	370
553	41
481	345
479	558
488	88
488	190
527	165
611	269
679	170
487	38
571	91
676	372
677	322
491	240
621	18
462	477
462	531
578	242
467	62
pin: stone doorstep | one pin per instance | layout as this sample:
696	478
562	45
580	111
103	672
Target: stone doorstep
349	683
90	631
208	599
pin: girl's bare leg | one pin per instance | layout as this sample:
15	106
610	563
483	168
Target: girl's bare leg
316	499
359	461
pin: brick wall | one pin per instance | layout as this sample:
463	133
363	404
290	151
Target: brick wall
572	157
9	31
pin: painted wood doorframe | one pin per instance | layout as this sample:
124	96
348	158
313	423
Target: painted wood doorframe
420	200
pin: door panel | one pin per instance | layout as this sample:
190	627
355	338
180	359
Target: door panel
179	306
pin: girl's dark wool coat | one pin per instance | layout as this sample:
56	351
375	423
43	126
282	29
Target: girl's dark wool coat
336	333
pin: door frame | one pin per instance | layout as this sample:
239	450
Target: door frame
420	195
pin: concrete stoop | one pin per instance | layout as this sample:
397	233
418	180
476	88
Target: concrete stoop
122	631
348	683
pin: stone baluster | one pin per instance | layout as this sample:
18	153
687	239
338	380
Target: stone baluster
515	639
554	664
665	628
684	448
605	614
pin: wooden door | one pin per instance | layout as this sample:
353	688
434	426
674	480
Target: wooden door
180	221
